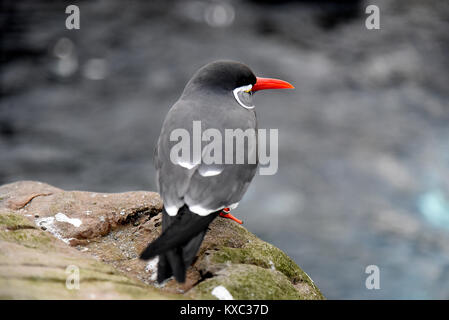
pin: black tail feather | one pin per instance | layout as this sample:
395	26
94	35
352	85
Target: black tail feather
179	242
176	262
164	270
190	250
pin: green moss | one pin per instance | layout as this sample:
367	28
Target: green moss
262	254
249	282
30	238
14	221
18	229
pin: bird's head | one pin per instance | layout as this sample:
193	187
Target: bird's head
235	77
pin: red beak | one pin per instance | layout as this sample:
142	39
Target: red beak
267	83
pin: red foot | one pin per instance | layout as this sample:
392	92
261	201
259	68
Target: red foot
226	214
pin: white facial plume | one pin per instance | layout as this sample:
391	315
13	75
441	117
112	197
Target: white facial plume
244	96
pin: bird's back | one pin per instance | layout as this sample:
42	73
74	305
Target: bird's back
206	187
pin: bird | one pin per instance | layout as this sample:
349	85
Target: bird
220	97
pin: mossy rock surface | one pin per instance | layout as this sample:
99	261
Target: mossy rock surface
44	230
34	265
246	281
246	264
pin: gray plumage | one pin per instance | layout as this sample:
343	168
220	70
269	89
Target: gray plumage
179	185
193	198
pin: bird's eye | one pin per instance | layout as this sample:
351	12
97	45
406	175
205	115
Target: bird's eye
244	95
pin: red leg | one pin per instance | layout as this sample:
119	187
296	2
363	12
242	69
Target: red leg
226	214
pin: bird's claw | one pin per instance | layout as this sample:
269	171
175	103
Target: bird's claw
226	214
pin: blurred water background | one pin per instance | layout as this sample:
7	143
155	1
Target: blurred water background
363	140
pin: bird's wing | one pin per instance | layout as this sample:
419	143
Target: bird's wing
210	193
204	188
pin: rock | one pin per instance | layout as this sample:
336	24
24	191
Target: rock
43	230
34	266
